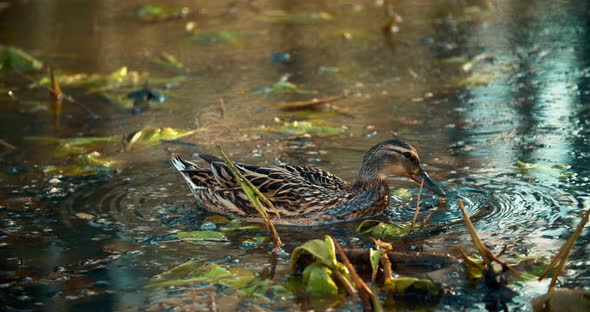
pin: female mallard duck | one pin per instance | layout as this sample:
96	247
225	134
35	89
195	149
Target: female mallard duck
306	195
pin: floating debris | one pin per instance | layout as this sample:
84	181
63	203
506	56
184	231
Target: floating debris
151	136
200	236
168	60
225	36
151	13
280	16
300	128
282	86
315	104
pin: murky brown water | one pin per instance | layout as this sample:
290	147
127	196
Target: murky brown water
530	104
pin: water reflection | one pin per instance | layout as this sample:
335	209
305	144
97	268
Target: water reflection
534	110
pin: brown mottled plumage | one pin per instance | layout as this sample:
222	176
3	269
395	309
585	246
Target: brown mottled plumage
305	195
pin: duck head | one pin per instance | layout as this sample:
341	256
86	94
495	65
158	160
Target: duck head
395	158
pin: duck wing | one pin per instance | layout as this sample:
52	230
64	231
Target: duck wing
290	189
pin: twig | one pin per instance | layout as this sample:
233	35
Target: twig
368	298
7	145
212	303
314	103
255	197
417	206
222	107
564	253
66	97
57	95
487	256
423	224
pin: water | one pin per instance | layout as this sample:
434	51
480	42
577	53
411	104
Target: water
530	105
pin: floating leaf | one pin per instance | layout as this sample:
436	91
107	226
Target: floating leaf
558	171
85	216
382	230
151	136
318	281
169	61
411	286
97	82
253	242
201	236
402	192
190	272
563	299
280	16
12	58
75	170
237	225
152	13
301	127
224	36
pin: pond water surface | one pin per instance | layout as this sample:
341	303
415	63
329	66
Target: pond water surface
475	86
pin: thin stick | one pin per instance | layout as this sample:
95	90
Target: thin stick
295	105
222	107
255	196
7	145
564	253
417	206
212	303
487	256
423	224
365	293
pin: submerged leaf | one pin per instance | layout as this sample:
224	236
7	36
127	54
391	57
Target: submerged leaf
201	236
381	230
12	58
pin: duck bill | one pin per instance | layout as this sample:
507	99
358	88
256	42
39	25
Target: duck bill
428	183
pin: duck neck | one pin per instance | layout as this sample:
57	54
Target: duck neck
364	184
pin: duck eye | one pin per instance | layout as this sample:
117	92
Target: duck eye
408	155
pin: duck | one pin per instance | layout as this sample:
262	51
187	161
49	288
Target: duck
305	196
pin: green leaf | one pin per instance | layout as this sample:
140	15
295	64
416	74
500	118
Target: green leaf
12	58
375	257
318	281
151	136
381	230
201	236
188	273
322	250
169	61
411	286
301	127
402	192
152	13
